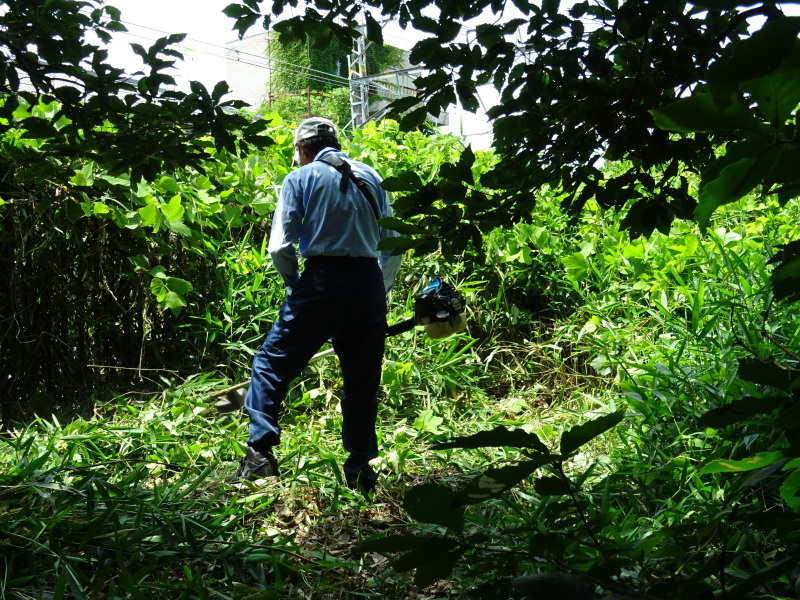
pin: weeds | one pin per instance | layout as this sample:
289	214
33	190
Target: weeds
619	412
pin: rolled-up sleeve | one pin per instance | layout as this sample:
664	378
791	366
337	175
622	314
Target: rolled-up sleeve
389	264
285	232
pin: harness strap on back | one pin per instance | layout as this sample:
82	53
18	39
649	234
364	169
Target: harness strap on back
346	169
347	172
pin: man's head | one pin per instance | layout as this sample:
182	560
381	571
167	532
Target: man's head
311	136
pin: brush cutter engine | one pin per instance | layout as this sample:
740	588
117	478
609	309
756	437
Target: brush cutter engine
440	309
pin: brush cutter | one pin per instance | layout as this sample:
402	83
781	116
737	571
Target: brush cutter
439	309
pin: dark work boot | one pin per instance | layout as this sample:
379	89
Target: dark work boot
256	465
365	480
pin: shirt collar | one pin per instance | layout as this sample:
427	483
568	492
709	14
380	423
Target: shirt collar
323	152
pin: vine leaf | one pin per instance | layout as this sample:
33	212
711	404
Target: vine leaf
499	437
699	113
496	481
577	436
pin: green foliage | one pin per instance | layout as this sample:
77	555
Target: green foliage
685	333
763	69
620	420
537	484
292	106
76	105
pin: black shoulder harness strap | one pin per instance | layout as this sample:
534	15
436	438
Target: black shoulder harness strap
346	169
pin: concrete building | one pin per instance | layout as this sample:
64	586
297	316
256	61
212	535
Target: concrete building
248	68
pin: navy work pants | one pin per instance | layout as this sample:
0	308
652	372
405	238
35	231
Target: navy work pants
341	299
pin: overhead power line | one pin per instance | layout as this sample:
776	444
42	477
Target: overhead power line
318	75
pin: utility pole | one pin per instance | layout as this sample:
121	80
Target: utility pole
387	86
359	87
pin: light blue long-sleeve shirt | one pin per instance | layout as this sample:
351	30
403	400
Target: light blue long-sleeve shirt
315	214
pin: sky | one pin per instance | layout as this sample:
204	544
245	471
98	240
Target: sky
208	30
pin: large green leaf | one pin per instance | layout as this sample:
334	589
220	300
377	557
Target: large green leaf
733	183
400	226
750	147
392	543
414	119
36	128
374	29
754	57
577	436
438	567
764	373
759	461
551	486
774	571
434	503
462	170
741	410
245	17
407	181
433	559
785	277
778	93
790	490
700	113
789	417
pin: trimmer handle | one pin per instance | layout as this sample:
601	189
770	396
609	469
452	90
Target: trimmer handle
401	327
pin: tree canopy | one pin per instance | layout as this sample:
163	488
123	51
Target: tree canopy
673	89
135	123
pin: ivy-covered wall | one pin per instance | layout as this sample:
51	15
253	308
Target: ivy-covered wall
308	80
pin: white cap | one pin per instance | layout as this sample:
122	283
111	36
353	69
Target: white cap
313	127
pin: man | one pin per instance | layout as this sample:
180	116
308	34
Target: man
340	296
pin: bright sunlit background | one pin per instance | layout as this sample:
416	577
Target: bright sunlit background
208	30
